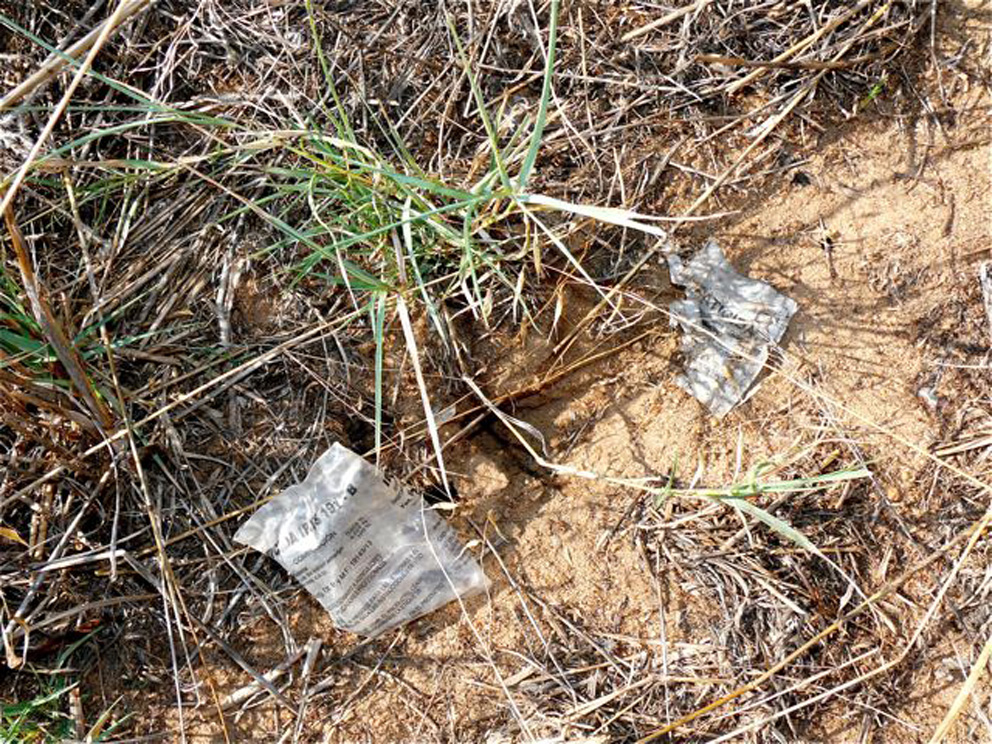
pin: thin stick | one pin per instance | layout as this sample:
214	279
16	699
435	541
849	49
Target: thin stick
977	670
805	43
665	20
57	60
111	23
716	59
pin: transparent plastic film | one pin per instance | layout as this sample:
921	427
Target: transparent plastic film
368	551
729	322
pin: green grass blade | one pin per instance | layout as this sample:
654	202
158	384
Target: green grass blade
480	103
432	312
380	342
780	526
542	111
341	121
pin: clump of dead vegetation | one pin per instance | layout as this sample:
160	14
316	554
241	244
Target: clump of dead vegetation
214	212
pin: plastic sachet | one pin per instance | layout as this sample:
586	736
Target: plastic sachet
369	552
729	321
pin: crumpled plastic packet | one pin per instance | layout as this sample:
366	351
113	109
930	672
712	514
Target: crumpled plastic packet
728	322
368	551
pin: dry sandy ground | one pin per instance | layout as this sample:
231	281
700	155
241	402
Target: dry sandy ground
878	237
879	240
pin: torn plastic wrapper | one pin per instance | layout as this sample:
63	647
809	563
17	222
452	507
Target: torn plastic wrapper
728	322
369	552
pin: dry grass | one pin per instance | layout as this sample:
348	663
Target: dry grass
214	209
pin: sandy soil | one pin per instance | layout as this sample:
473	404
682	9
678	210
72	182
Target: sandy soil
878	237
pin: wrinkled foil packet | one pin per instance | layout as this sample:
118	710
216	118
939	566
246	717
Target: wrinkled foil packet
729	322
369	552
